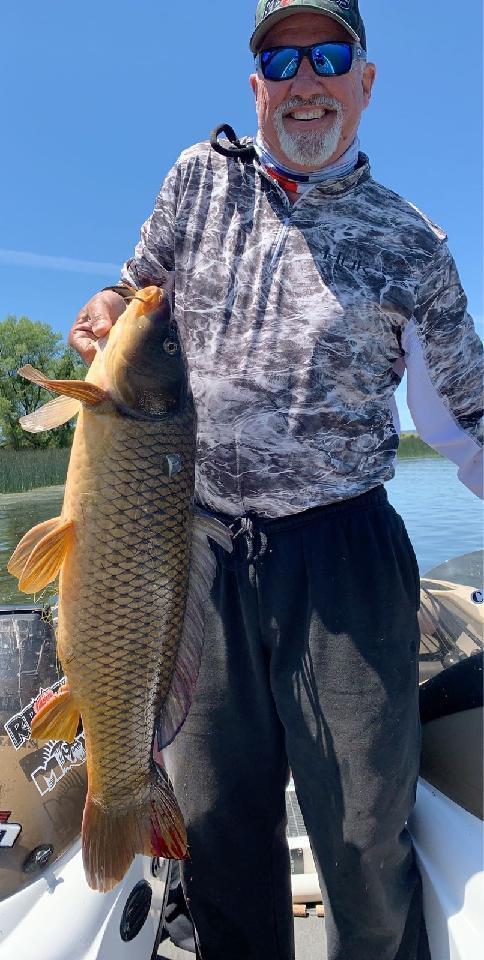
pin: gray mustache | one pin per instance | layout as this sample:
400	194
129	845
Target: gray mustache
299	102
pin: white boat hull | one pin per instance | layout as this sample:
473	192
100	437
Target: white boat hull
59	917
449	845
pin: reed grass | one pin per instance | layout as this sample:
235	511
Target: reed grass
22	470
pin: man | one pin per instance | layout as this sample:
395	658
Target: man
301	290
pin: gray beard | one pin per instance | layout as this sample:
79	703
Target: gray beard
311	149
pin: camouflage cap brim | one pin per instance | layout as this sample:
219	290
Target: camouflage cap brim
270	12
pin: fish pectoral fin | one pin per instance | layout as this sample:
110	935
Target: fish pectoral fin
58	719
30	540
50	415
40	554
88	393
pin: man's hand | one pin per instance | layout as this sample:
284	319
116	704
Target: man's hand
94	321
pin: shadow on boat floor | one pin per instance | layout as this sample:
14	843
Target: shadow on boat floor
310	942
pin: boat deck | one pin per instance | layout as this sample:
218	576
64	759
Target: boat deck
310	941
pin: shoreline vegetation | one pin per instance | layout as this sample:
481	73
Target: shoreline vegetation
24	470
413	448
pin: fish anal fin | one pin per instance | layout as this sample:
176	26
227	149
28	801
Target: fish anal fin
88	393
46	559
168	836
51	415
23	550
58	719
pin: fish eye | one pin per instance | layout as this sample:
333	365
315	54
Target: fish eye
170	346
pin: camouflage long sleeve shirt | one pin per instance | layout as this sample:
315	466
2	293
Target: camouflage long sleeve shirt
298	322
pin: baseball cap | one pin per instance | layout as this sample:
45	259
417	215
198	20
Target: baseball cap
270	12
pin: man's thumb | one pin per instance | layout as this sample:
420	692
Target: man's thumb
101	326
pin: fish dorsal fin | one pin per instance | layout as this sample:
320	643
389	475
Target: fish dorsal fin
40	554
52	414
88	393
202	574
58	719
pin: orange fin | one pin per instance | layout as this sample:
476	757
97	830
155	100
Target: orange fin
23	550
45	559
86	392
58	719
111	838
52	414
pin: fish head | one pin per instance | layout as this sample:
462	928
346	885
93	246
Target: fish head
144	365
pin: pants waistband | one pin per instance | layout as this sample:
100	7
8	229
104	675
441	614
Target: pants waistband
375	497
254	530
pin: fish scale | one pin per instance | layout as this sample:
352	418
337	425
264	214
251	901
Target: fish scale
140	620
135	570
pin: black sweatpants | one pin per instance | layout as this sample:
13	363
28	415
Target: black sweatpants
310	663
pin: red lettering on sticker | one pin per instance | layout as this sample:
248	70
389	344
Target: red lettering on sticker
42	699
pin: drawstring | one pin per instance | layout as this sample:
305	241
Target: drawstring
234	148
255	539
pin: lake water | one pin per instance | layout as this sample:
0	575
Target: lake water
443	518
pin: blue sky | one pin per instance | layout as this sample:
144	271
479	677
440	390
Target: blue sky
99	98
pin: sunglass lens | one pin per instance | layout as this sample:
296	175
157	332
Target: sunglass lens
332	59
279	64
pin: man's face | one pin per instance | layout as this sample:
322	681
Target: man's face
283	107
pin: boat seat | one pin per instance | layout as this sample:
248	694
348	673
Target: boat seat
451	710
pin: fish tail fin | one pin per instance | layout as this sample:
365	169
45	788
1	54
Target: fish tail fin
111	839
40	554
58	719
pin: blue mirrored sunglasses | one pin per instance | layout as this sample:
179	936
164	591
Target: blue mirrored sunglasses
326	59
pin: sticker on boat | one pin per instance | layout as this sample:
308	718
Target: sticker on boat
59	758
19	726
9	832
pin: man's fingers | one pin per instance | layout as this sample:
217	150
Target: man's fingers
94	321
84	343
82	338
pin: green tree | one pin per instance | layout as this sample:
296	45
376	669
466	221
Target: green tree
25	341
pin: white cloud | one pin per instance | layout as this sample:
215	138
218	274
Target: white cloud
20	258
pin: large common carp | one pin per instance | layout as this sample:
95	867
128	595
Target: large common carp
135	570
